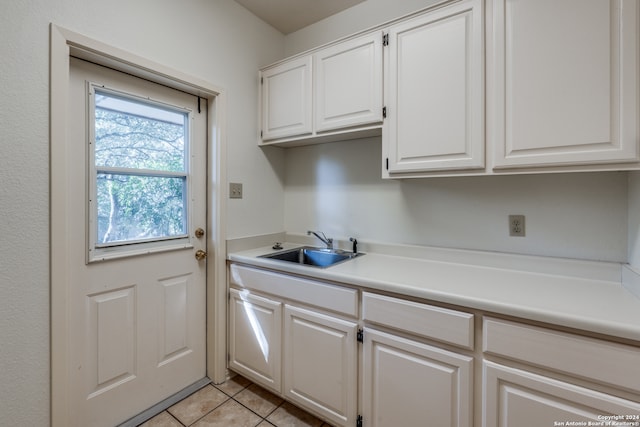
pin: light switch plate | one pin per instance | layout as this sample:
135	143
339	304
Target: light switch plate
235	190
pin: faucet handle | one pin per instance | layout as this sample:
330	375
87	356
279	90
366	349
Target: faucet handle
355	244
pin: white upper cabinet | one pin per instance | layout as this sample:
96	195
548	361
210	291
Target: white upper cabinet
564	78
338	98
434	89
286	99
348	83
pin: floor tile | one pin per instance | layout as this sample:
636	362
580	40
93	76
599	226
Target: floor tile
234	385
265	424
198	404
163	419
288	415
231	413
259	400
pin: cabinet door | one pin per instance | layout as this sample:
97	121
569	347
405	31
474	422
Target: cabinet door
407	383
286	99
514	397
348	83
435	91
564	92
255	338
320	364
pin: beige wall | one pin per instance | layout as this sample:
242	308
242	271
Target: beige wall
215	40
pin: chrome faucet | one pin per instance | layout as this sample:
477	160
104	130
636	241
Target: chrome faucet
326	240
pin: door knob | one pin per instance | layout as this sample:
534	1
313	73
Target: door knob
199	232
200	255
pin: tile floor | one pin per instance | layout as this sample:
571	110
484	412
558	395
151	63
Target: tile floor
236	403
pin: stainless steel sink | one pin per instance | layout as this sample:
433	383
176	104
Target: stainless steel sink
315	257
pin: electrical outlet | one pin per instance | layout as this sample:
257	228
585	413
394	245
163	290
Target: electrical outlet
516	225
235	190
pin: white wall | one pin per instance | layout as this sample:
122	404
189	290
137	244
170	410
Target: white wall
357	18
634	219
337	187
215	40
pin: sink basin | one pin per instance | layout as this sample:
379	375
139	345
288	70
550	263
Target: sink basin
315	257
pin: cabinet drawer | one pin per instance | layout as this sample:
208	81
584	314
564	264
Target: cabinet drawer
328	297
441	324
563	352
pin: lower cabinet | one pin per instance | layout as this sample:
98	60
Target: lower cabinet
320	364
409	383
531	394
255	325
514	397
298	337
278	339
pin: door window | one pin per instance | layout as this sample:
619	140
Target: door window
139	177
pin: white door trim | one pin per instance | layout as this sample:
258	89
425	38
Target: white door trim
65	43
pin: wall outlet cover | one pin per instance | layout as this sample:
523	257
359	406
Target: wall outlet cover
235	190
516	225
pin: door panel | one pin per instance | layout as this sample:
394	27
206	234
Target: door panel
136	324
435	90
315	342
406	382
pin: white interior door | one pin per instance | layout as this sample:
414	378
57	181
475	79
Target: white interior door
136	293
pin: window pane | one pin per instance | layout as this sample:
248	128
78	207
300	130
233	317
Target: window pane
131	134
139	207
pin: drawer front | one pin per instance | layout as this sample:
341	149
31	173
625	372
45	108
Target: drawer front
323	295
563	352
441	324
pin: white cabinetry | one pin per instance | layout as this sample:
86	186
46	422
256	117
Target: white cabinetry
406	381
520	398
320	363
315	362
434	90
564	79
348	83
343	87
528	397
286	102
255	325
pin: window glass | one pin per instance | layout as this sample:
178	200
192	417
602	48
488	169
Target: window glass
140	170
132	207
130	134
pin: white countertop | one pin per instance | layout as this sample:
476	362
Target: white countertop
601	305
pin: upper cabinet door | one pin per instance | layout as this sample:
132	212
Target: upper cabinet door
435	90
348	83
564	78
286	99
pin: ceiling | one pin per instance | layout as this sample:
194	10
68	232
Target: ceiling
288	16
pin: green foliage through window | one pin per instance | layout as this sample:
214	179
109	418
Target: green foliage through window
140	162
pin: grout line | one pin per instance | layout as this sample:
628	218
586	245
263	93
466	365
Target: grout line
171	415
213	409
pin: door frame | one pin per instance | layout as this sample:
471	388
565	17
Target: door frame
63	44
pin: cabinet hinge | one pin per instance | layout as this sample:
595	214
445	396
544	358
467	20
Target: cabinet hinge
360	336
384	112
359	421
385	39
